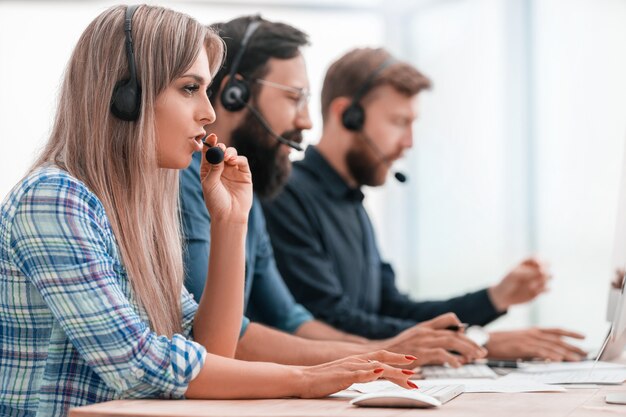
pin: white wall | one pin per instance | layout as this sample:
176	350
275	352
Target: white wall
580	110
518	151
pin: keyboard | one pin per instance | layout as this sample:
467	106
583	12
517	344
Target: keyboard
443	393
465	371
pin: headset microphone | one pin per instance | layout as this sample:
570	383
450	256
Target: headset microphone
353	117
214	155
280	139
236	93
399	176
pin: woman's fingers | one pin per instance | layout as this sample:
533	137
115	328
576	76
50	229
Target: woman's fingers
230	156
397	376
243	165
373	370
338	375
387	357
211	139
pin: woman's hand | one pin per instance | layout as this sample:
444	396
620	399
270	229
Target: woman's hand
328	378
227	186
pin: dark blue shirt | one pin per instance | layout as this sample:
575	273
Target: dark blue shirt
267	299
326	251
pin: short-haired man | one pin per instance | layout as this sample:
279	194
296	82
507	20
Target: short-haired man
260	93
323	239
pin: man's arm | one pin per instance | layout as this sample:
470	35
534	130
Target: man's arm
429	343
317	330
270	301
472	308
261	343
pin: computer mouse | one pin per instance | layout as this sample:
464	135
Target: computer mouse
404	399
615	398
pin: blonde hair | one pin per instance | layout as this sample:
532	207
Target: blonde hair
116	159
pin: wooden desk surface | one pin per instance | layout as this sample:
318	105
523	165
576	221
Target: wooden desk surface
586	402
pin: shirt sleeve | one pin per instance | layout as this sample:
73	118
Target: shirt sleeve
62	243
196	228
473	308
310	274
189	308
271	302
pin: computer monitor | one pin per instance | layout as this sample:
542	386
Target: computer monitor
615	340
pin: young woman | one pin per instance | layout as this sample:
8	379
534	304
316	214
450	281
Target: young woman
92	306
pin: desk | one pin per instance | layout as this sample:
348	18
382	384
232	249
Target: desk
586	402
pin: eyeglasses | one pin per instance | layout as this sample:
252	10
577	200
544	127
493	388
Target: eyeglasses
303	95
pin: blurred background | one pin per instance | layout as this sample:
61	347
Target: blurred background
518	149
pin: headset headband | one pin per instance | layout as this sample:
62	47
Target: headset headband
252	27
370	79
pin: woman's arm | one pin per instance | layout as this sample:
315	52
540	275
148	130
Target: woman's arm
220	310
227	189
225	378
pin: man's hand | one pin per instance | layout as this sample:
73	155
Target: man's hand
618	279
432	344
525	282
534	343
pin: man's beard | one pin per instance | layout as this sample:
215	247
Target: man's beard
270	169
364	164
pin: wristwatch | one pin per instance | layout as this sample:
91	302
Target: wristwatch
478	335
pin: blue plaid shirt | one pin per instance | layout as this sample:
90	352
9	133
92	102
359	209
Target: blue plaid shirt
71	330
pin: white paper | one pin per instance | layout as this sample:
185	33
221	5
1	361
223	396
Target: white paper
472	385
526	367
581	376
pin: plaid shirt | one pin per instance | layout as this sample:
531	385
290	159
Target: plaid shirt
71	331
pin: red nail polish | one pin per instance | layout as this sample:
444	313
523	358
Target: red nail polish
411	357
407	372
412	385
378	370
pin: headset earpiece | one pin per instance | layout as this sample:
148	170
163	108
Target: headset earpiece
235	95
353	117
126	97
126	100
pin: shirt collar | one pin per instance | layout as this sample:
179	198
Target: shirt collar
330	180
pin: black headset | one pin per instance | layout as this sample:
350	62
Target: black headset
236	93
353	117
126	97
